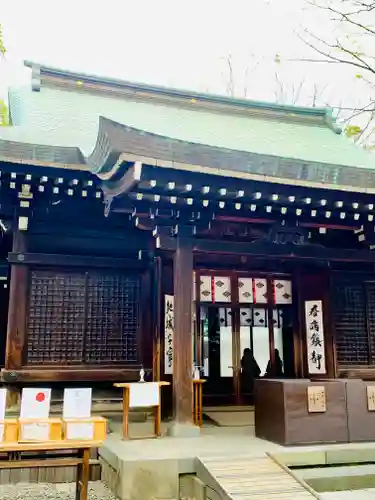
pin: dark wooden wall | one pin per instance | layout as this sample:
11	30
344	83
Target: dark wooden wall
80	304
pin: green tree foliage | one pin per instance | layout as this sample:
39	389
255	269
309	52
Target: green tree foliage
2	46
352	130
4	114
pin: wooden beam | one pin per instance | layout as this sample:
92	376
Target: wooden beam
126	183
182	345
19	259
271	250
62	374
17	312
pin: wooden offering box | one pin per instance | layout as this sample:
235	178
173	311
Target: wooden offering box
40	430
360	398
8	431
300	411
82	429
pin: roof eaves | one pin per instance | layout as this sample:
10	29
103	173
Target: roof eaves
39	70
49	164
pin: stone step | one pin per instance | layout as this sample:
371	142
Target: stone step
247	477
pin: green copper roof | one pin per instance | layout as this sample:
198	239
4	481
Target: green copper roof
68	118
65	108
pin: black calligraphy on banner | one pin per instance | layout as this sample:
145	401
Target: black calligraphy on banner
315	336
168	333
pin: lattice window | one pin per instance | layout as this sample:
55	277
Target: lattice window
352	341
112	319
370	296
56	319
77	318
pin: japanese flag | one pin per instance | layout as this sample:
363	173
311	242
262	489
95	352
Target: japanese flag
35	403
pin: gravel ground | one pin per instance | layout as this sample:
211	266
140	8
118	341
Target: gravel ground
45	491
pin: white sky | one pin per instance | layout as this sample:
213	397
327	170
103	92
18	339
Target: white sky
175	43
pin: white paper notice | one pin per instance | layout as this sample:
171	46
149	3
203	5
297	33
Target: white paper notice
77	403
35	403
35	432
144	394
1	433
80	431
3	400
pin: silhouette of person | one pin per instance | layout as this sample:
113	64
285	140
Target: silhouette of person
275	370
250	371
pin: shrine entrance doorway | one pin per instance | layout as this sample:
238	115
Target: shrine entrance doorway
235	312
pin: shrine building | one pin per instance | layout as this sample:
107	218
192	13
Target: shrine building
150	227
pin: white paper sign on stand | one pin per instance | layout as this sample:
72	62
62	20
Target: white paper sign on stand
80	431
77	403
35	431
3	400
35	403
144	394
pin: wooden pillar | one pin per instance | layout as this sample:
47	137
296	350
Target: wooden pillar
16	331
156	367
299	343
182	341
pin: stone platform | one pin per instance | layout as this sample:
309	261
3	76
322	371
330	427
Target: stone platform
145	469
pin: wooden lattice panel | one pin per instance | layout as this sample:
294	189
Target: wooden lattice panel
78	318
350	322
56	318
370	299
112	319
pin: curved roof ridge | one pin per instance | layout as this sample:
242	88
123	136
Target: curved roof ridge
118	144
40	70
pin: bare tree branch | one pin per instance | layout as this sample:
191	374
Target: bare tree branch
349	19
230	86
327	54
353	21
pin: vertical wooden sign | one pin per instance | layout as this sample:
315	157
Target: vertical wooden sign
316	360
168	333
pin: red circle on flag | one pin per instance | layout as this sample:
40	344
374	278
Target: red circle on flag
40	397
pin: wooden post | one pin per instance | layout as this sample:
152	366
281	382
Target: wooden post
182	339
156	369
16	331
271	326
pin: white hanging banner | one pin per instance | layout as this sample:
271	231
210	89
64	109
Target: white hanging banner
168	333
316	359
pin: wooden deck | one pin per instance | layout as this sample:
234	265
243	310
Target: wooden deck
251	478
